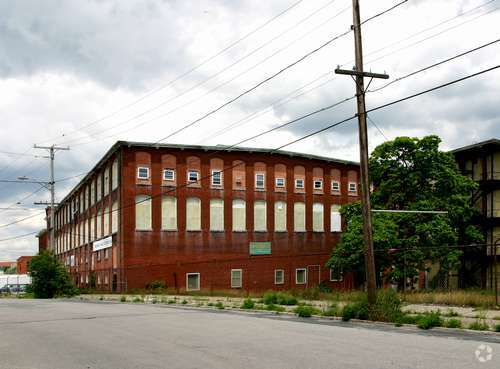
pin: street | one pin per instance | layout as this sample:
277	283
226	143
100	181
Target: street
53	334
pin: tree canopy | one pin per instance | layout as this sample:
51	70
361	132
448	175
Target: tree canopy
49	277
411	174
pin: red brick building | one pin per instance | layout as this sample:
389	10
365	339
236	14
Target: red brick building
43	240
22	264
197	217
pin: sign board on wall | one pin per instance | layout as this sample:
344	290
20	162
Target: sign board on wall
260	248
103	244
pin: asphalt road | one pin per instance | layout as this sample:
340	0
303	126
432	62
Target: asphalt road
57	334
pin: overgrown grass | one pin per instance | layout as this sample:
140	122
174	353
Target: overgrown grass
497	328
273	307
279	298
306	311
453	323
475	298
248	304
479	325
430	320
219	305
123	299
332	310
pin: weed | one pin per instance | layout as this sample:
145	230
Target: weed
101	298
123	299
171	301
430	320
184	302
277	308
387	307
210	304
248	304
219	305
479	325
154	301
331	311
451	313
305	311
279	298
497	328
137	299
453	323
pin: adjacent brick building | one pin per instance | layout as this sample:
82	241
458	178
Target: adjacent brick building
23	264
197	217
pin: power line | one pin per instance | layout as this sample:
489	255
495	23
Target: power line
377	127
17	237
21	220
384	12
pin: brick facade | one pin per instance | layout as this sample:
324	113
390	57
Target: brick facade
136	258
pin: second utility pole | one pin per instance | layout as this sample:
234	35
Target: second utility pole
363	149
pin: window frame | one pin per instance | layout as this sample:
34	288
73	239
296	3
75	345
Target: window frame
340	273
193	171
282	276
187	281
213	177
263	181
354	189
335	182
320	181
165	170
280	179
139	172
296	183
241	278
297	273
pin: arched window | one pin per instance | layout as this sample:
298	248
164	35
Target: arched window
143	212
280	216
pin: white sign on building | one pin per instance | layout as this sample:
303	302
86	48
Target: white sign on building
102	244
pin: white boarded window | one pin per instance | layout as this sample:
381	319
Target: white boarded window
318	217
280	216
84	232
106	221
114	175
192	281
99	224
169	213
259	180
92	229
99	187
216	215
236	278
301	276
114	218
106	181
279	276
259	216
299	217
335	219
92	192
143	212
216	178
239	215
193	214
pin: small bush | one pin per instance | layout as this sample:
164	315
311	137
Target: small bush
305	311
277	308
154	301
101	298
324	287
387	307
430	320
219	305
171	301
279	298
453	323
184	302
497	328
210	304
248	304
451	313
123	299
348	312
479	325
157	286
137	299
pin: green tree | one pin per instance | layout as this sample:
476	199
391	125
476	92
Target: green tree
49	277
411	174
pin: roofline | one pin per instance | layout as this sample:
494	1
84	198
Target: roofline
119	144
491	141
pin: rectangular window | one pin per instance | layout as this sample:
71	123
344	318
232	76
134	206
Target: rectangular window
193	176
143	172
336	186
280	216
299	183
280	182
193	214
99	187
114	175
259	180
300	276
352	187
217	215
335	219
106	181
216	178
299	217
168	174
336	275
236	278
169	213
318	184
318	217
193	281
239	215
114	218
259	216
143	212
99	225
279	276
106	221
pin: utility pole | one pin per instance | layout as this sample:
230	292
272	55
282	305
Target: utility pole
52	152
360	74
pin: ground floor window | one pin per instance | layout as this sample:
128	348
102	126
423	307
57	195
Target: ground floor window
236	278
336	275
300	276
192	281
279	276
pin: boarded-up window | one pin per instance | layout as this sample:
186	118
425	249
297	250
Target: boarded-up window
280	216
335	219
99	187
169	213
259	216
238	175
106	181
143	212
92	192
193	214
84	232
216	215
239	215
99	224
318	217
114	218
106	221
92	228
114	175
299	217
236	278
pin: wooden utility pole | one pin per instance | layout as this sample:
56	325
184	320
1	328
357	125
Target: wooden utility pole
359	75
52	151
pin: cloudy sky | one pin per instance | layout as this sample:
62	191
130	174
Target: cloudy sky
88	73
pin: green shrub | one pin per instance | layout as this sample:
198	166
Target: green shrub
171	301
305	311
137	299
348	312
157	287
453	323
277	308
331	311
154	301
387	307
219	305
184	302
430	320
210	304
479	325
324	287
279	298
101	298
248	304
123	299
451	313
497	328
